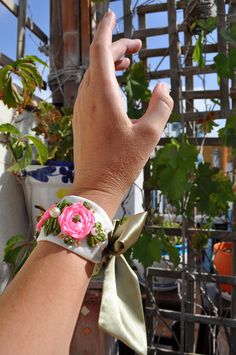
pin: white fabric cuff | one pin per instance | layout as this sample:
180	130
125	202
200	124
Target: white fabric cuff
82	248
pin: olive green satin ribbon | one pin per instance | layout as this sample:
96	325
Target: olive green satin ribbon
121	312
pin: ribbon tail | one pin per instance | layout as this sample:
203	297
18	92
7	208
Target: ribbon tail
121	311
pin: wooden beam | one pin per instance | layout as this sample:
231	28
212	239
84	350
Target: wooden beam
13	8
174	54
149	32
5	60
200	94
195	116
20	45
166	73
160	52
147	9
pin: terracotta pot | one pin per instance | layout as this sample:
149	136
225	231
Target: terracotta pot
223	262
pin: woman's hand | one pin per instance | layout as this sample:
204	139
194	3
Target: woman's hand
109	150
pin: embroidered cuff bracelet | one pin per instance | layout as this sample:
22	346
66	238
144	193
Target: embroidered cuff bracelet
84	228
78	225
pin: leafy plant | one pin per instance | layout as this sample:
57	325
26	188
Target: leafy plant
172	171
203	28
149	248
16	251
20	147
227	134
56	128
136	89
26	71
53	138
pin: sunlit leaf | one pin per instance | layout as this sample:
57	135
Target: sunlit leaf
40	147
23	162
9	128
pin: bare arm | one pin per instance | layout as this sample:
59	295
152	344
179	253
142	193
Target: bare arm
39	309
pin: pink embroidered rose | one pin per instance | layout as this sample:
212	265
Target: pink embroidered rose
76	221
43	219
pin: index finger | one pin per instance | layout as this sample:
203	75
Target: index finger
101	58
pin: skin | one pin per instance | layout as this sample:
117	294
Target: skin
40	307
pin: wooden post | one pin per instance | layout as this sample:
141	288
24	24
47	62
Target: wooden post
222	48
189	79
174	54
21	28
56	52
147	193
142	26
71	48
127	18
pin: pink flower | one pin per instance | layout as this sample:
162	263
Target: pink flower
43	219
76	221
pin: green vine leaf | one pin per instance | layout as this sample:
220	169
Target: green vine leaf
211	191
17	250
23	162
136	89
172	169
40	147
147	250
225	64
229	34
208	25
26	70
9	128
198	51
227	134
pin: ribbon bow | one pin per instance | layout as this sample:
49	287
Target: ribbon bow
121	312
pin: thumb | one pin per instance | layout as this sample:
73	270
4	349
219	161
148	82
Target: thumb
158	112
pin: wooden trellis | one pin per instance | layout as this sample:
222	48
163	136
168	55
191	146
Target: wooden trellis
184	92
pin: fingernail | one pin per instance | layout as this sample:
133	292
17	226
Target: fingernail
165	87
109	13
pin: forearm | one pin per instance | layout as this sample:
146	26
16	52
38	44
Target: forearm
43	302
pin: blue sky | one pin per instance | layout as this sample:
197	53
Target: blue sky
39	12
